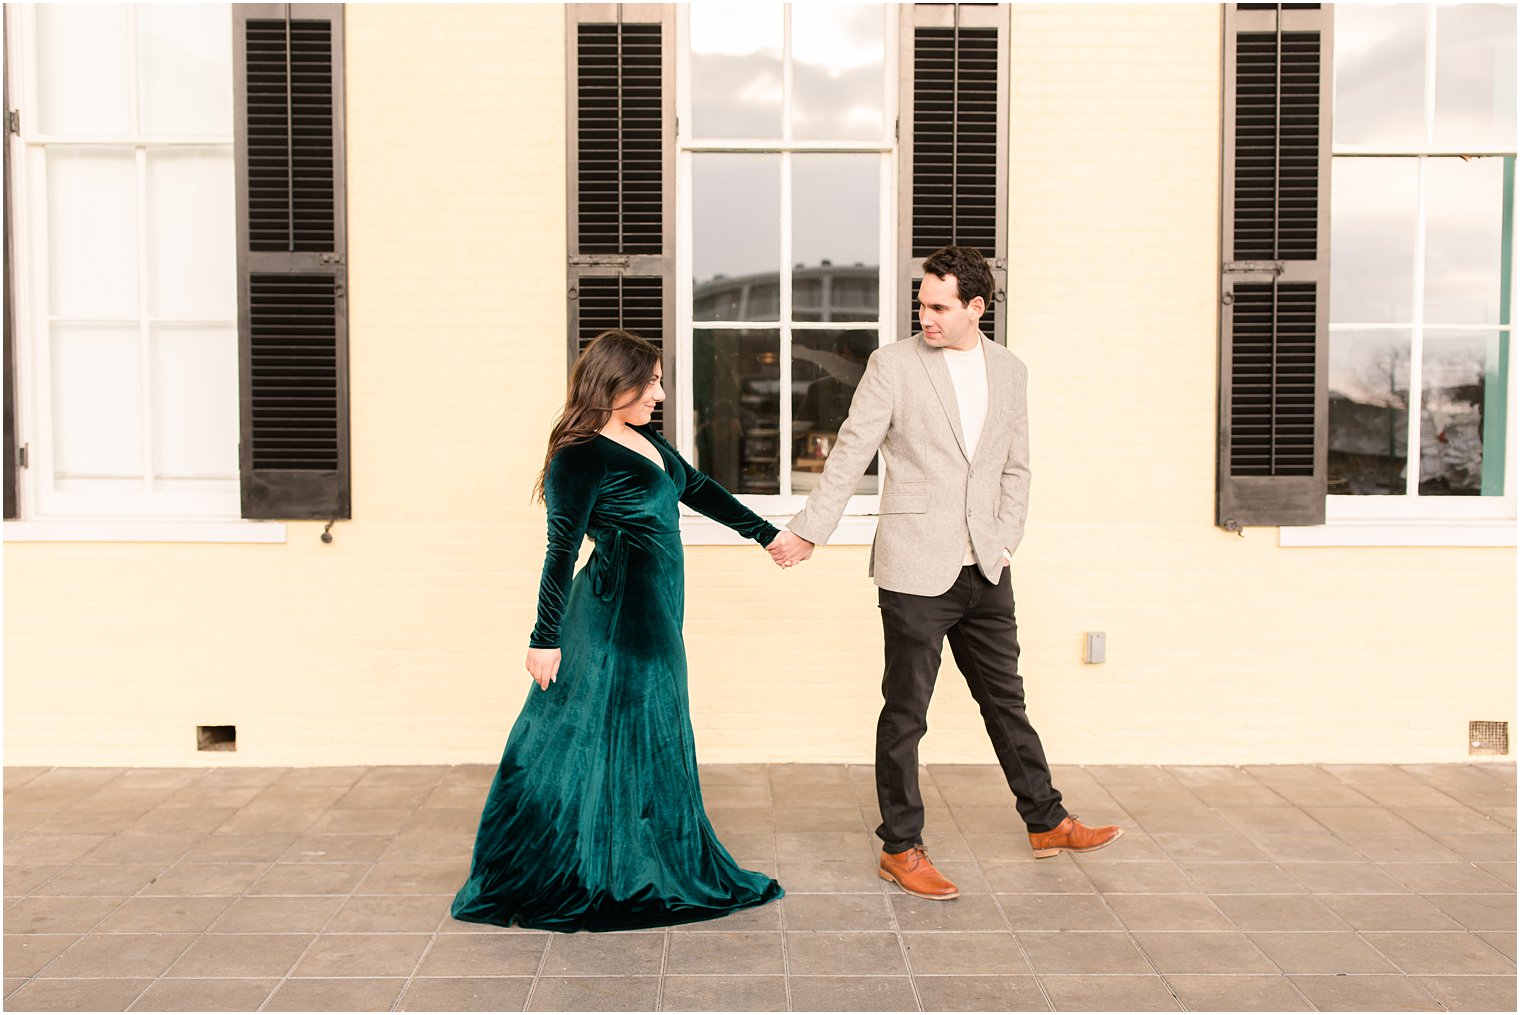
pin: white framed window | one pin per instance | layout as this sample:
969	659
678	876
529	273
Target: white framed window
125	267
785	265
1421	370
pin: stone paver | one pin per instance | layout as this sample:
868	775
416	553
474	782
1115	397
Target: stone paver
1281	888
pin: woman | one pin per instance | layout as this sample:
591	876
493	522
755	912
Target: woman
595	818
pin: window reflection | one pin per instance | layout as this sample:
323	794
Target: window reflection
1453	385
1379	75
838	61
184	76
1374	206
85	67
836	216
736	384
1395	67
736	235
829	292
1475	76
1369	412
1464	212
736	70
826	369
833	73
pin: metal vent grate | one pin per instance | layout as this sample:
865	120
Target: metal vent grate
1277	101
634	303
1272	379
293	342
291	194
954	139
620	139
1488	738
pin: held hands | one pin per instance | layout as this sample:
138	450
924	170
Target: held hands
789	549
543	664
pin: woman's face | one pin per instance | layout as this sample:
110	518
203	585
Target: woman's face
636	405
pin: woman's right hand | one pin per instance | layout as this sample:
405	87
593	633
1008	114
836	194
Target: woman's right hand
543	664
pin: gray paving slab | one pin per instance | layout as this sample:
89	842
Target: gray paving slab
1279	887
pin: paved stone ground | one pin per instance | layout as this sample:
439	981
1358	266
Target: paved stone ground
1264	887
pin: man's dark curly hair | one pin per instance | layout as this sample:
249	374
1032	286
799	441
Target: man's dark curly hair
973	277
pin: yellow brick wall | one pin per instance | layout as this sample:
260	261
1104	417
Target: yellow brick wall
403	640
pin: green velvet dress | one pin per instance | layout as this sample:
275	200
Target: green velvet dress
595	818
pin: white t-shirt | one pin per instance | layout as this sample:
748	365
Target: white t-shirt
968	372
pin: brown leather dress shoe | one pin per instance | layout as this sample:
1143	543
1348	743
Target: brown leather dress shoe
915	875
1074	836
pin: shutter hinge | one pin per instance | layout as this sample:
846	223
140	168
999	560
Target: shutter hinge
1252	267
897	128
13	121
23	456
599	260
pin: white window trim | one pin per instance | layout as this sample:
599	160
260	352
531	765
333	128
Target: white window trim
1409	519
144	531
37	500
859	523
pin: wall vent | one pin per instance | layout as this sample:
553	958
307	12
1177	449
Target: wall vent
1488	738
216	738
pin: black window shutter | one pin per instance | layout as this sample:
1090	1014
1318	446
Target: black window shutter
953	143
292	261
8	395
621	178
1274	290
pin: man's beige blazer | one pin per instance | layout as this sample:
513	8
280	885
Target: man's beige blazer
932	494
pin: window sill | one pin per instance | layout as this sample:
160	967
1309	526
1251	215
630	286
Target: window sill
1407	533
698	530
143	531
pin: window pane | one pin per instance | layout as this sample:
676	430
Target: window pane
1379	75
195	402
184	69
92	232
97	401
1369	412
84	77
1456	369
736	70
1464	212
736	236
1475	76
836	236
826	368
192	233
736	386
1373	207
838	61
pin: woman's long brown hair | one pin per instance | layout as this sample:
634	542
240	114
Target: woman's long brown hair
614	362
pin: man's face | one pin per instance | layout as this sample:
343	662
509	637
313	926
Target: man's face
945	320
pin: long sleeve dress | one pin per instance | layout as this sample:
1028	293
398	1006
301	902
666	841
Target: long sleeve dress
595	818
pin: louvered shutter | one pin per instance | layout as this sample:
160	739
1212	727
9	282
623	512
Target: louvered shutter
621	178
1276	251
953	144
8	395
292	263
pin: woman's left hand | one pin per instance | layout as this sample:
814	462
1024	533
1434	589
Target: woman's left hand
543	665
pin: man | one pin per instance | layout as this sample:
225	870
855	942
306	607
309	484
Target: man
948	412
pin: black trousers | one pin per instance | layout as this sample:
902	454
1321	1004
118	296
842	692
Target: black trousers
978	618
